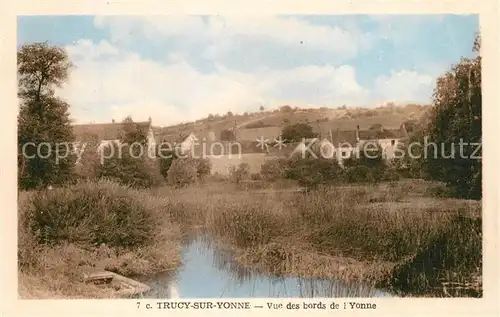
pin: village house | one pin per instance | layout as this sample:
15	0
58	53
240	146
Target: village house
223	155
107	133
338	145
341	145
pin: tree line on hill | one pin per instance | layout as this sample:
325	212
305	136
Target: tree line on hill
43	117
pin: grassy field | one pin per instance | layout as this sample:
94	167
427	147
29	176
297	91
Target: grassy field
395	235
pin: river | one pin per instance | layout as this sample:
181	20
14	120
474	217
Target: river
210	272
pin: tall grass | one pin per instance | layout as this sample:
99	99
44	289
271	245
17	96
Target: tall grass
380	233
90	226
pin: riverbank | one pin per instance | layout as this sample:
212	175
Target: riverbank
65	233
398	235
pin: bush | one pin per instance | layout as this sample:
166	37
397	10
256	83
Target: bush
128	164
204	166
183	172
240	173
297	132
390	174
255	176
358	174
438	190
90	214
273	170
141	172
187	170
227	135
165	158
310	172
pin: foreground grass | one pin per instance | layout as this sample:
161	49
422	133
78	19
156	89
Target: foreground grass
394	235
66	232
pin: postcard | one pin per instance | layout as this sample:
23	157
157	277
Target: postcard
261	159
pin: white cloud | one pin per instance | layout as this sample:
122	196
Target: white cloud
404	86
224	37
288	32
100	89
86	48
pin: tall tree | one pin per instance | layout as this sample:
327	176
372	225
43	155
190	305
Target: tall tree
45	134
456	117
297	132
129	162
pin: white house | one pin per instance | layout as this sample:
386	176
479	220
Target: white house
107	133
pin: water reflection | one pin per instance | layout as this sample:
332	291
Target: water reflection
209	272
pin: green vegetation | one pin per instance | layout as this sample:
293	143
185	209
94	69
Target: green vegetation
239	173
312	172
363	233
90	225
43	118
165	157
185	171
456	117
298	132
128	164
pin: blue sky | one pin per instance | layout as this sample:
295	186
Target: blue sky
176	68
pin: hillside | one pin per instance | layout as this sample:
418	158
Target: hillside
322	120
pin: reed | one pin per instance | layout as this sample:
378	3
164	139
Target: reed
380	233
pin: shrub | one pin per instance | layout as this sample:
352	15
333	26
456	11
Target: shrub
357	174
227	135
203	167
438	190
310	172
255	176
297	132
273	170
90	214
240	173
371	155
128	164
140	172
182	172
165	158
390	174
